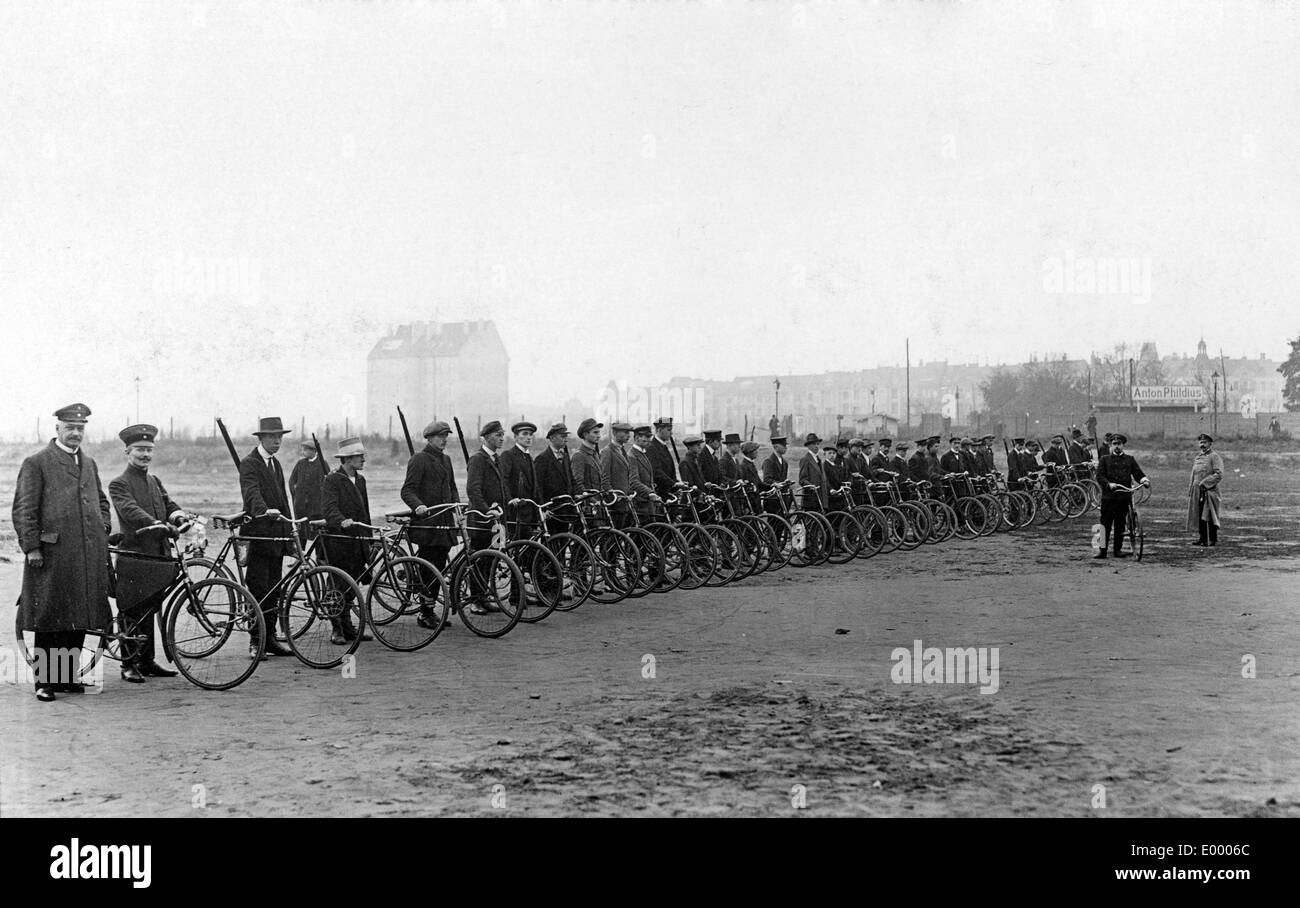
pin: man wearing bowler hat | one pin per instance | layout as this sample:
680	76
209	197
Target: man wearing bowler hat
811	474
584	462
728	464
775	469
261	484
346	509
62	520
1116	473
144	512
661	456
430	482
708	456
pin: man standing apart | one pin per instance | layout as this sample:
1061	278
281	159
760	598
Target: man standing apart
62	521
430	481
1116	473
1203	494
141	501
261	484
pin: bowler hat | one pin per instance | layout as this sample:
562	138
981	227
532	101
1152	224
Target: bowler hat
136	434
733	438
271	425
812	438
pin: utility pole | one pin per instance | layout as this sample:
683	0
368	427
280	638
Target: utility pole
776	402
137	398
907	348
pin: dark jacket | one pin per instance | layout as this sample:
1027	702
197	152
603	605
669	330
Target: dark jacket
586	469
641	475
692	475
950	461
969	462
775	468
305	484
1121	469
728	467
1056	456
708	464
898	465
430	481
484	485
60	508
811	473
342	500
519	473
263	490
140	500
661	459
918	469
552	475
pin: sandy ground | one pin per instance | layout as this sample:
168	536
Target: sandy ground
1118	674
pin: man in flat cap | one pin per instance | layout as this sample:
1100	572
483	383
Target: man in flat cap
1057	456
346	508
585	462
552	471
691	473
1203	493
62	520
261	484
616	472
1117	472
642	474
917	468
660	452
749	473
708	456
430	482
728	465
141	501
811	474
305	481
485	490
517	467
984	455
969	462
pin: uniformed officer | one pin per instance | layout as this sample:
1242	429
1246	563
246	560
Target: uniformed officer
431	481
917	467
62	520
141	501
1116	473
261	485
661	457
345	506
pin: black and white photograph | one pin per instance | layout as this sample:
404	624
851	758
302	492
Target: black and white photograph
867	409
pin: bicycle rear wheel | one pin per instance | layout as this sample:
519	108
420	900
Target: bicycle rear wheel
578	563
208	631
701	555
405	591
673	542
318	603
731	556
651	556
487	587
543	578
618	565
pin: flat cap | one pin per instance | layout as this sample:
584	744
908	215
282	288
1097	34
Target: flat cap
642	430
587	425
558	428
664	421
72	413
692	440
749	448
437	427
924	441
490	427
525	425
137	434
886	442
620	427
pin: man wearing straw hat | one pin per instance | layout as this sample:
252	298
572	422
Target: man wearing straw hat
261	485
346	509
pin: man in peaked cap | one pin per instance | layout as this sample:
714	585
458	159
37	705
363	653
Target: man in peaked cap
710	469
642	473
775	469
261	485
879	461
62	519
345	506
660	452
898	462
1116	473
141	502
431	482
485	489
551	469
517	467
951	461
585	462
691	473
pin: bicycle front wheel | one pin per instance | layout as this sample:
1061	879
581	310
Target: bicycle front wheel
213	633
402	606
323	604
487	589
543	578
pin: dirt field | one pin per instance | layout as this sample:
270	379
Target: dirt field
1112	673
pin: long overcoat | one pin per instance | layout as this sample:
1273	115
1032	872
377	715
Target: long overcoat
1207	473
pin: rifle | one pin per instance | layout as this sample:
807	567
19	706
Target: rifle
230	445
410	448
461	436
324	470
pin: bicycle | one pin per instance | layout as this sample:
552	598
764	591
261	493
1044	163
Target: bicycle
198	617
1133	520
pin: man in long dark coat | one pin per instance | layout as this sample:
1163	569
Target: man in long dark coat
661	457
261	485
345	506
305	481
430	482
62	520
141	501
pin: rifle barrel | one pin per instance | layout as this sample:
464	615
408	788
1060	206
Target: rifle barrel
230	445
410	448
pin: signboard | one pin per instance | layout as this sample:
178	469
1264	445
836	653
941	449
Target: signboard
1169	395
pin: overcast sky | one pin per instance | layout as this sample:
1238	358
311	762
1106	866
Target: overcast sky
232	201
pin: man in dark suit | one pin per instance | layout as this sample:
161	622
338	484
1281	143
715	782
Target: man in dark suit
1116	472
1057	455
141	501
430	482
749	473
811	474
517	467
305	481
616	473
932	460
918	469
951	461
585	461
775	469
1017	467
661	457
984	454
641	474
555	477
969	462
880	460
261	484
485	490
1076	450
728	466
834	477
898	463
708	456
691	473
62	520
345	507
